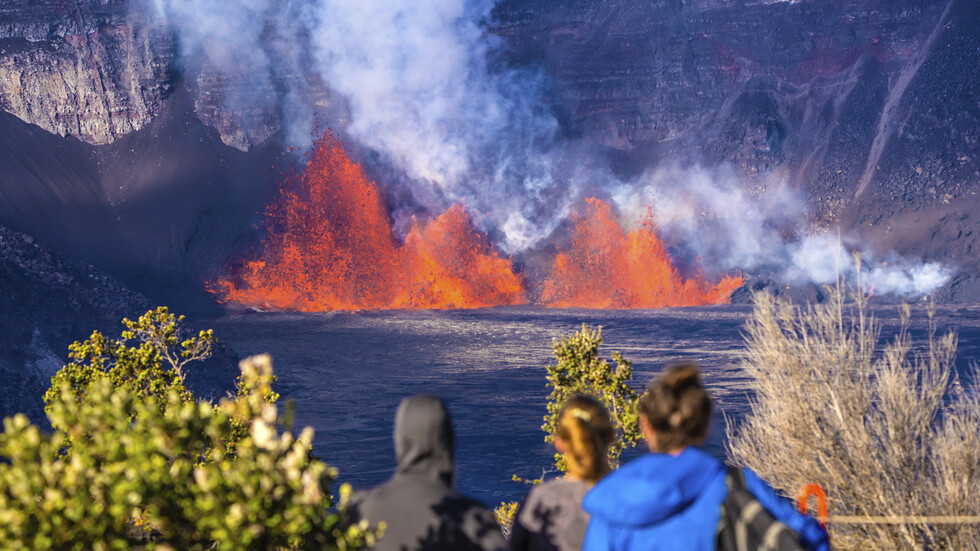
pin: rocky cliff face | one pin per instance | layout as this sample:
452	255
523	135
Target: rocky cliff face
93	70
757	84
98	70
792	88
869	108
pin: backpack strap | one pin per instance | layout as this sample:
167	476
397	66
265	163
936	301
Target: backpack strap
735	478
746	525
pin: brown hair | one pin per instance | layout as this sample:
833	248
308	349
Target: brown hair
677	407
587	432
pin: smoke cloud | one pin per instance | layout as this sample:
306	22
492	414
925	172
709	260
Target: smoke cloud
423	89
256	49
708	213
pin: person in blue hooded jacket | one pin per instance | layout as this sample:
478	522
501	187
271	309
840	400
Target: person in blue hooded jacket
670	498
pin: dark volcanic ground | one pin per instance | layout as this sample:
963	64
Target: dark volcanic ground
346	374
46	303
160	209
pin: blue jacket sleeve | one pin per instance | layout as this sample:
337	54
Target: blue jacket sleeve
597	536
812	535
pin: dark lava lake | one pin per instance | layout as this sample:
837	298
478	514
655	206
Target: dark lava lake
347	372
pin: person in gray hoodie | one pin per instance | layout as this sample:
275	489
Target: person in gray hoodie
418	504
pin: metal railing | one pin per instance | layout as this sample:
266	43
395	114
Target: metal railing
814	490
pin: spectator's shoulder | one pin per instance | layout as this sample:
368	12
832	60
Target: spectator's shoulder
812	534
480	525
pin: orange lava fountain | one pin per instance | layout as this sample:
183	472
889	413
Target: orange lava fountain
329	246
606	267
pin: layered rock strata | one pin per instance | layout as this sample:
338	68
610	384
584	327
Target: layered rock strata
93	70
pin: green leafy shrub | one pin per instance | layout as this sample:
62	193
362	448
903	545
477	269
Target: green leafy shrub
152	366
579	369
151	468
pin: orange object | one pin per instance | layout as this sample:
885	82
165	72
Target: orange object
329	246
803	497
606	266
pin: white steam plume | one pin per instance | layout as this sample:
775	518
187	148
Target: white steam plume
256	46
417	80
420	89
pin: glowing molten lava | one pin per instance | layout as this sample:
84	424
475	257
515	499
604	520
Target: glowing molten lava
450	265
606	267
329	246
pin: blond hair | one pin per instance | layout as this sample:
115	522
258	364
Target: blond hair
586	430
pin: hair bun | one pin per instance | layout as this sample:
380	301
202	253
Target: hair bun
677	407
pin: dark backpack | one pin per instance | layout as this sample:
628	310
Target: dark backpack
747	526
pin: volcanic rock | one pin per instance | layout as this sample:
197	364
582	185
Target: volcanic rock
48	302
94	70
98	70
962	288
798	293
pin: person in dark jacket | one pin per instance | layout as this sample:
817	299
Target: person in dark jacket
671	497
418	504
551	517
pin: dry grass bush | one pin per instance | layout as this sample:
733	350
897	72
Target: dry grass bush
885	429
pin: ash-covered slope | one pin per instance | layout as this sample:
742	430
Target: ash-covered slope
160	208
918	192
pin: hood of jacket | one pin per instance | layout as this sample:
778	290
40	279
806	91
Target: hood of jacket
424	439
653	487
